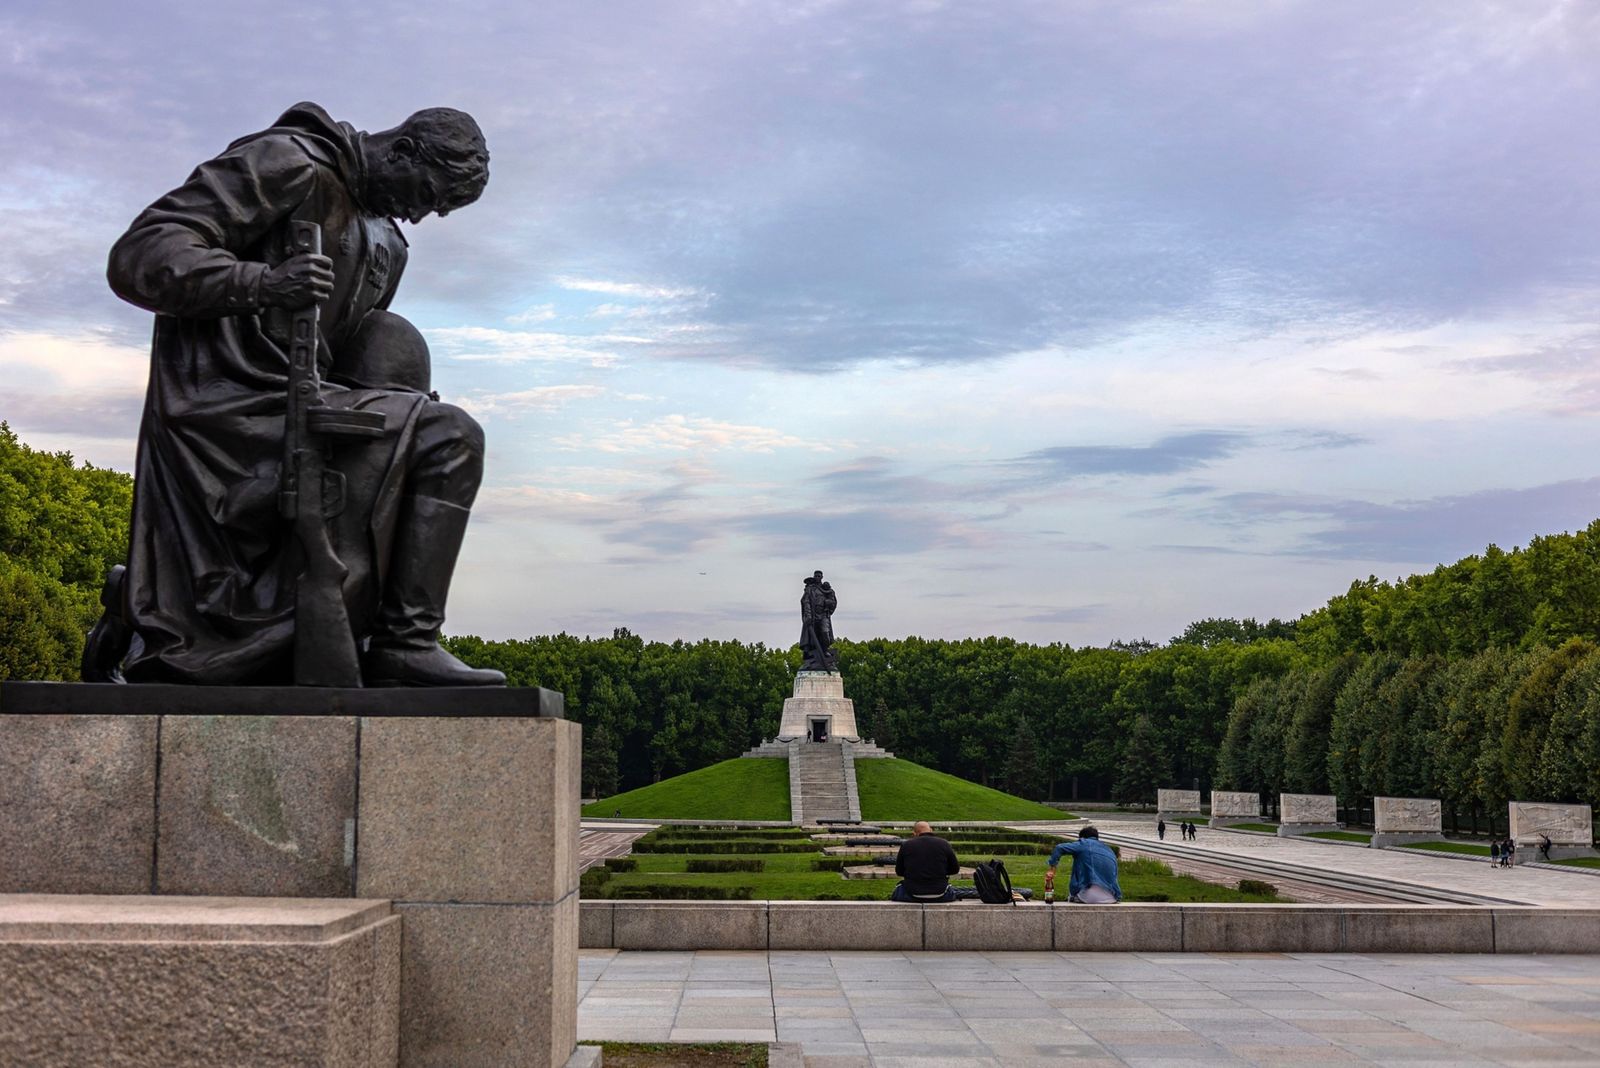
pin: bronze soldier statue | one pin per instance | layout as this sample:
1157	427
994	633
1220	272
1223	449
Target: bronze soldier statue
229	530
817	602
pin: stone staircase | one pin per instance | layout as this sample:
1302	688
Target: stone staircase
822	782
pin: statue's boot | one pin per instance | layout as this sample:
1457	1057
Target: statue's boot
405	648
108	643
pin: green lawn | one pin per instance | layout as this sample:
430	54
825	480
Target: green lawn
738	789
1266	828
1578	862
900	790
1468	848
1340	836
699	1054
788	877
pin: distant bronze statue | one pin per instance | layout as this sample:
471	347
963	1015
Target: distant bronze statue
300	495
817	602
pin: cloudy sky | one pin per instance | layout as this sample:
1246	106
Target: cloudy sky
1070	321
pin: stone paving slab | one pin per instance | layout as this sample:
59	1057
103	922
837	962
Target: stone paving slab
1536	885
878	1008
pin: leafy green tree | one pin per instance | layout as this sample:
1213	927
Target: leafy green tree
1023	775
1145	768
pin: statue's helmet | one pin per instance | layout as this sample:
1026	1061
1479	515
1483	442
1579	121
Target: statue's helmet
387	352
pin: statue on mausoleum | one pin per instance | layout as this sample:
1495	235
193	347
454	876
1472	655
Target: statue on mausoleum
817	602
301	495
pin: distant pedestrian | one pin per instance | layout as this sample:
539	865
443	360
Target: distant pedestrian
1544	847
1161	828
1509	853
1494	853
1194	832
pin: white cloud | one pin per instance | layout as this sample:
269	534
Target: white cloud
680	433
539	313
523	401
532	346
627	289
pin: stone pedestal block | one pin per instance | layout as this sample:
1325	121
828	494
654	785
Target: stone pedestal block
489	986
1308	808
1407	815
1570	828
260	806
470	810
77	803
1405	820
1177	803
1235	805
818	693
194	982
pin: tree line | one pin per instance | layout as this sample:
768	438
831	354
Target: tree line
62	526
1478	682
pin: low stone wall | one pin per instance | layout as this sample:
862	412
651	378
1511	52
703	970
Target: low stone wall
180	981
469	824
1132	927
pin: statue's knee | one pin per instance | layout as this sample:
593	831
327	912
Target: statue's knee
457	426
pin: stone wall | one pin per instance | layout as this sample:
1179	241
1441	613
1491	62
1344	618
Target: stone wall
469	824
198	981
1407	815
1565	825
1308	808
1178	801
1235	804
1125	928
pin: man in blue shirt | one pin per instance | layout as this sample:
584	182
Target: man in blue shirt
1094	869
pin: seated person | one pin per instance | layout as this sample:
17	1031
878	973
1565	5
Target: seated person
925	863
1094	869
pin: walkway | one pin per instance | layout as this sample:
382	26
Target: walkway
1531	886
594	846
930	1009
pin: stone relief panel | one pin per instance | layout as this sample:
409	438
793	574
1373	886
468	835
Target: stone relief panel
1178	800
1308	808
1565	824
1235	803
1407	815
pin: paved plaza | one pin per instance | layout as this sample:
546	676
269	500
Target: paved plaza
927	1009
1541	885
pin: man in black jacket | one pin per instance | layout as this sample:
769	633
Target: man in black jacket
925	864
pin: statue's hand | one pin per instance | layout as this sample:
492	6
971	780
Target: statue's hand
298	281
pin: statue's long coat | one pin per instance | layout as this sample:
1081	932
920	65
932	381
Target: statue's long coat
210	586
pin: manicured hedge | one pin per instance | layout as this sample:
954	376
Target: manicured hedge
702	864
680	892
622	864
645	845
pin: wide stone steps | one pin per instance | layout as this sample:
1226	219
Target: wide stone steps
822	782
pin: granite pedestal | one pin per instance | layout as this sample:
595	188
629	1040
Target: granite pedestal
467	822
818	695
187	982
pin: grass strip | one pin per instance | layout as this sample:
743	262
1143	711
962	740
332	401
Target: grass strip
1340	836
667	1054
1451	847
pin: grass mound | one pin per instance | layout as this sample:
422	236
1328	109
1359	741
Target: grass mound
900	790
1581	862
735	789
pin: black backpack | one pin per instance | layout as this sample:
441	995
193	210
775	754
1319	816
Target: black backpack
993	883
